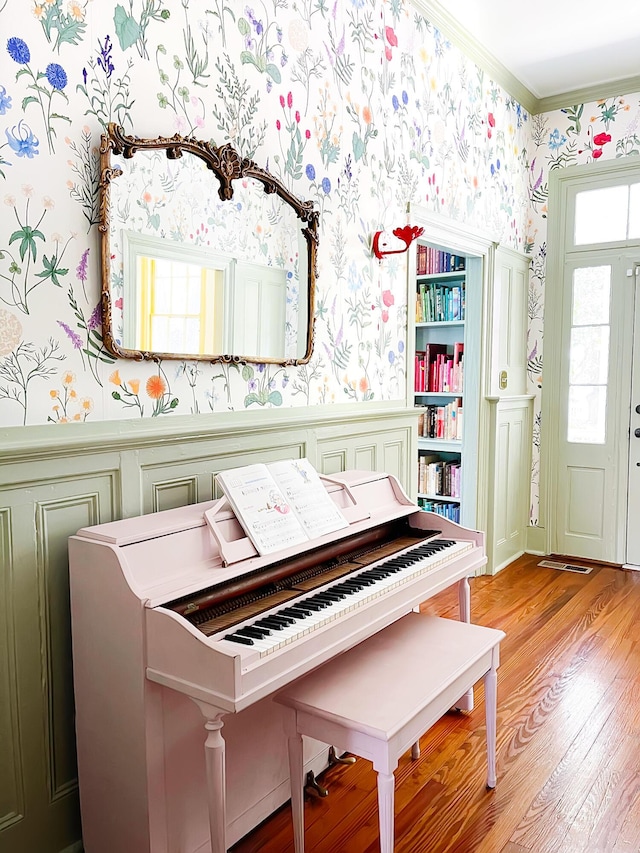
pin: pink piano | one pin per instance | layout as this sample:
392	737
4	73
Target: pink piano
181	634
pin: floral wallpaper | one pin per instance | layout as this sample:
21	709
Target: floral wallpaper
360	105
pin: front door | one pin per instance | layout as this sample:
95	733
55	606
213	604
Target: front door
592	319
595	377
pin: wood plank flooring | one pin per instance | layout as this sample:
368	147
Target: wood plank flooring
568	735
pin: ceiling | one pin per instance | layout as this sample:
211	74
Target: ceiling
552	53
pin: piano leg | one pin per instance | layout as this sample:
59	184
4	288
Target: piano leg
214	751
296	777
464	600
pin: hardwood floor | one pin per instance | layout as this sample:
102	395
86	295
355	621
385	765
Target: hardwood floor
568	735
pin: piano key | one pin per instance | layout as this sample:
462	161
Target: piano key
236	638
271	622
340	599
255	632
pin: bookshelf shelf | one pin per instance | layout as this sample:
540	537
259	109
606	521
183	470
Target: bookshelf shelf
455	275
429	497
438	324
442	445
443	395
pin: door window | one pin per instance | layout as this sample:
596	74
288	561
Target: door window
589	355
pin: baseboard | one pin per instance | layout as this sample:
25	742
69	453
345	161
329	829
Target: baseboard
510	559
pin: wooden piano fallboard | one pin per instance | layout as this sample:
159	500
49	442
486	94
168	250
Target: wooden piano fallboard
177	652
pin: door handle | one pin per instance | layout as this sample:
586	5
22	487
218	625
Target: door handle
638	408
637	432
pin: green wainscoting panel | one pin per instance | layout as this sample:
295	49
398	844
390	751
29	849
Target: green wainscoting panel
507	502
55	480
36	647
168	494
11	781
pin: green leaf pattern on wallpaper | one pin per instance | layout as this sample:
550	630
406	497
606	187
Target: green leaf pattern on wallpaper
359	105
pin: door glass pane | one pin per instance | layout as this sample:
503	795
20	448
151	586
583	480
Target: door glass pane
589	355
601	215
587	413
591	292
634	212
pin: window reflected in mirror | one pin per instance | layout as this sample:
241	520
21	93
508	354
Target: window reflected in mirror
179	308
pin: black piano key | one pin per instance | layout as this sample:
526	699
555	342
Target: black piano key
272	623
296	613
254	631
242	632
310	604
285	621
328	598
236	638
319	601
357	585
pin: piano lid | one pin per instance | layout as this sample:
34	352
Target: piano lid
171	553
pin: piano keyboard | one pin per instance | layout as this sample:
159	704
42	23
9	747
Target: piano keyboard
278	628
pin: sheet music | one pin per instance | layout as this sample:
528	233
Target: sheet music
280	504
303	488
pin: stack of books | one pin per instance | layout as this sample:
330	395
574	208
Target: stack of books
439	368
432	261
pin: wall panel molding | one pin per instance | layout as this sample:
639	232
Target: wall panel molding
510	429
11	779
53	519
55	480
171	493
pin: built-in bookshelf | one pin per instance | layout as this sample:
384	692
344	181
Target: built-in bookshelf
480	471
439	377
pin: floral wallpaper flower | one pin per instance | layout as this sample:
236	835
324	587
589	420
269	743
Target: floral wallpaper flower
360	105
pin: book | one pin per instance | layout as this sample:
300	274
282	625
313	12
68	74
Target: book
280	504
420	380
432	351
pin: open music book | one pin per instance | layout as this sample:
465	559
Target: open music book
280	504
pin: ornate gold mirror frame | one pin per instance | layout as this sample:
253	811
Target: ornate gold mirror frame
288	223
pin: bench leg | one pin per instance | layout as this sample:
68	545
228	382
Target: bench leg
465	703
386	787
490	703
296	773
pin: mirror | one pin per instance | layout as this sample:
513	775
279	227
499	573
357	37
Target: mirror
204	254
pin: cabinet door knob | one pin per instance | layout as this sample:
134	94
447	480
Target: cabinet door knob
637	433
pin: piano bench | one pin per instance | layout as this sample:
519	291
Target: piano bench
376	699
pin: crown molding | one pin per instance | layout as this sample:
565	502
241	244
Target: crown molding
434	12
613	89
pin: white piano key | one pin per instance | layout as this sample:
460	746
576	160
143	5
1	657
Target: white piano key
317	619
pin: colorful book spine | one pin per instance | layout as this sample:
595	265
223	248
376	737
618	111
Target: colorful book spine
430	261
